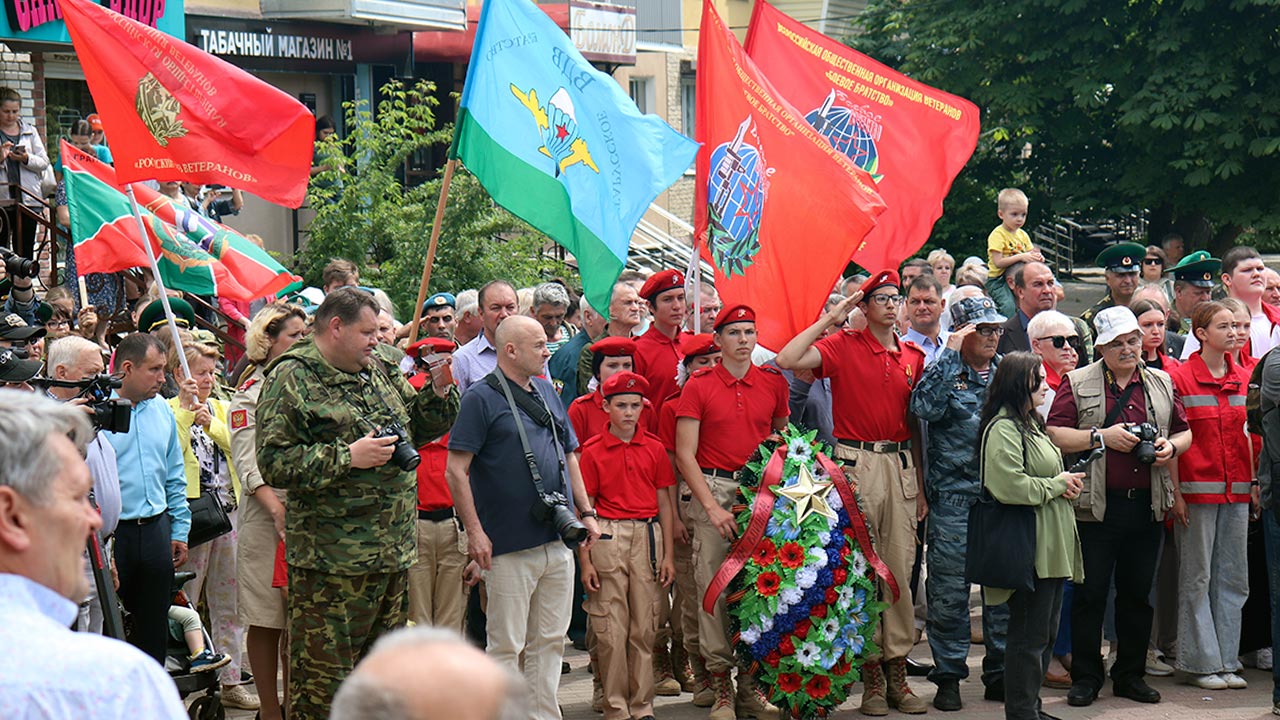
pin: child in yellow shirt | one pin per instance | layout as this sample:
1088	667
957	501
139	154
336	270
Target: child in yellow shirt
1006	245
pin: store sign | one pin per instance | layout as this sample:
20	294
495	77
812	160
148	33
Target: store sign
41	20
603	33
272	45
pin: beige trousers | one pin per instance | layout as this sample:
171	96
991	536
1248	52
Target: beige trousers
436	594
709	551
686	603
886	484
624	614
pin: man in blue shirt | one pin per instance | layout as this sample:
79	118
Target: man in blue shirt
151	538
480	356
527	569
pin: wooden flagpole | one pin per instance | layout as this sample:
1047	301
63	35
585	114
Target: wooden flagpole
431	248
155	271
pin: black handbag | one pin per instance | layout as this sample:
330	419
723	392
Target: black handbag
1001	549
209	519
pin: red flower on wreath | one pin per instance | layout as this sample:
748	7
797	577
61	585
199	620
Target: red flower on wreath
818	611
792	555
767	583
766	552
786	647
818	687
802	628
841	668
846	551
789	682
832	596
772	659
839	576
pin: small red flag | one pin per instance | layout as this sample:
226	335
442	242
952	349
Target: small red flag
912	138
173	111
778	211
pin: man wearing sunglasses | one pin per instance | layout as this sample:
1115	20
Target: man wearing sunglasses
872	374
949	398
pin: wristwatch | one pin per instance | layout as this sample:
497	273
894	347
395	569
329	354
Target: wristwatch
1095	438
588	513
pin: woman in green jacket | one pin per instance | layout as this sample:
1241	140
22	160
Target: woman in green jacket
1020	466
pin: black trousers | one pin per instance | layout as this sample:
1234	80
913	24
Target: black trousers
1033	628
144	560
21	243
1123	546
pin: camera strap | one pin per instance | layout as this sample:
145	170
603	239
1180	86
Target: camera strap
1121	400
497	378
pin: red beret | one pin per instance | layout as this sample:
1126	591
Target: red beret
430	345
661	282
624	383
879	280
695	345
614	346
734	313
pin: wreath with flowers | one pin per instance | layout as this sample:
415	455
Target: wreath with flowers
802	600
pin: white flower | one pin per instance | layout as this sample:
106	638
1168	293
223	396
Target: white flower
766	624
858	563
831	627
818	556
800	450
750	636
809	654
824	538
783	608
790	596
806	577
834	501
845	594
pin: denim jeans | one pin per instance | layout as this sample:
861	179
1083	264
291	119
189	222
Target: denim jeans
1213	584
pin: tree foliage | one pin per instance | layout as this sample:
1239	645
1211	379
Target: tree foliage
365	212
1172	107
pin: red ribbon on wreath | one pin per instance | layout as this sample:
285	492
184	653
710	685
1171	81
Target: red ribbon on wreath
762	509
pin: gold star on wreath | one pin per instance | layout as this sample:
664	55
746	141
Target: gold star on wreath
809	496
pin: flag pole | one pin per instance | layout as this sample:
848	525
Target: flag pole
155	272
694	275
431	248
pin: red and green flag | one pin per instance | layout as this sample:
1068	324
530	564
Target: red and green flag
194	253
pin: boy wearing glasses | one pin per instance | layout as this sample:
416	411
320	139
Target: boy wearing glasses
872	374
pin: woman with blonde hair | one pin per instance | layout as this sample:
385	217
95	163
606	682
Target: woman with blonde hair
206	447
942	263
274	329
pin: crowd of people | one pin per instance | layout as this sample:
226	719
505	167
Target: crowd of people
532	471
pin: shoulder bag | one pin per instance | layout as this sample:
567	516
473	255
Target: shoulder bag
1001	549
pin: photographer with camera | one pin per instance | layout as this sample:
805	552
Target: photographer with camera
1134	413
511	465
76	366
21	272
331	430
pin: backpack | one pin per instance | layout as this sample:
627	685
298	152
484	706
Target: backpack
1253	397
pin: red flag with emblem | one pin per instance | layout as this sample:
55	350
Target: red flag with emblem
778	211
174	112
912	138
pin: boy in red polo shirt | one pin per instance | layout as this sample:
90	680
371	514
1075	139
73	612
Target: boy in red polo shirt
609	355
658	350
725	412
626	473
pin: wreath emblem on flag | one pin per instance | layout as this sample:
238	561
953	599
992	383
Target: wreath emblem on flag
158	109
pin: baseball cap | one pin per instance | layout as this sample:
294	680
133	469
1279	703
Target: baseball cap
975	310
14	369
13	327
1112	323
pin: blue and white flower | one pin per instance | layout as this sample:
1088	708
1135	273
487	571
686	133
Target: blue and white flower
858	563
809	654
831	627
800	450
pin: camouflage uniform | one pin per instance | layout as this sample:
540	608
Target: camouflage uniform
949	398
1103	304
350	534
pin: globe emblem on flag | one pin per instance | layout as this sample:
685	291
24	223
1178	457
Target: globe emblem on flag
853	132
736	193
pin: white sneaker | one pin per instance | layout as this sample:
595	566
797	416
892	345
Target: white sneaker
1157	667
1234	681
1265	657
239	696
1207	682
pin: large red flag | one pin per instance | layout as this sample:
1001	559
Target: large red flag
778	211
912	138
173	111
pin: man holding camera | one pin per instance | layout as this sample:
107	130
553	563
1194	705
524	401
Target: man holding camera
512	470
1131	411
21	298
339	431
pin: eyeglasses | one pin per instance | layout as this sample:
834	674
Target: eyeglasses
989	330
1153	261
884	299
58	324
1061	341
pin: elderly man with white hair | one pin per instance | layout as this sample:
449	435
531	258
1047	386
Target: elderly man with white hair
1055	339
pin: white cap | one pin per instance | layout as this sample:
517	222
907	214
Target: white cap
1113	323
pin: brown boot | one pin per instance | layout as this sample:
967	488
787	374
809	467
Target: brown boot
722	708
703	694
681	669
597	689
873	690
899	692
664	681
751	701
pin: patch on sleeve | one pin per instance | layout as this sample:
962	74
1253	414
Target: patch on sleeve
239	419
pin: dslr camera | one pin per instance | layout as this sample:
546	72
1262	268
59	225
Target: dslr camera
553	508
17	266
109	414
403	454
1147	433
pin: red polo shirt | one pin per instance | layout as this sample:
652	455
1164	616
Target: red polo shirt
870	384
656	358
736	415
589	417
433	487
625	477
667	420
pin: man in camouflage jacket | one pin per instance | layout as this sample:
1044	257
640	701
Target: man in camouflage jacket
350	525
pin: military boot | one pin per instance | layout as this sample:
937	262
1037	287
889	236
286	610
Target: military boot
703	694
597	689
751	701
899	692
722	706
873	690
664	681
681	669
